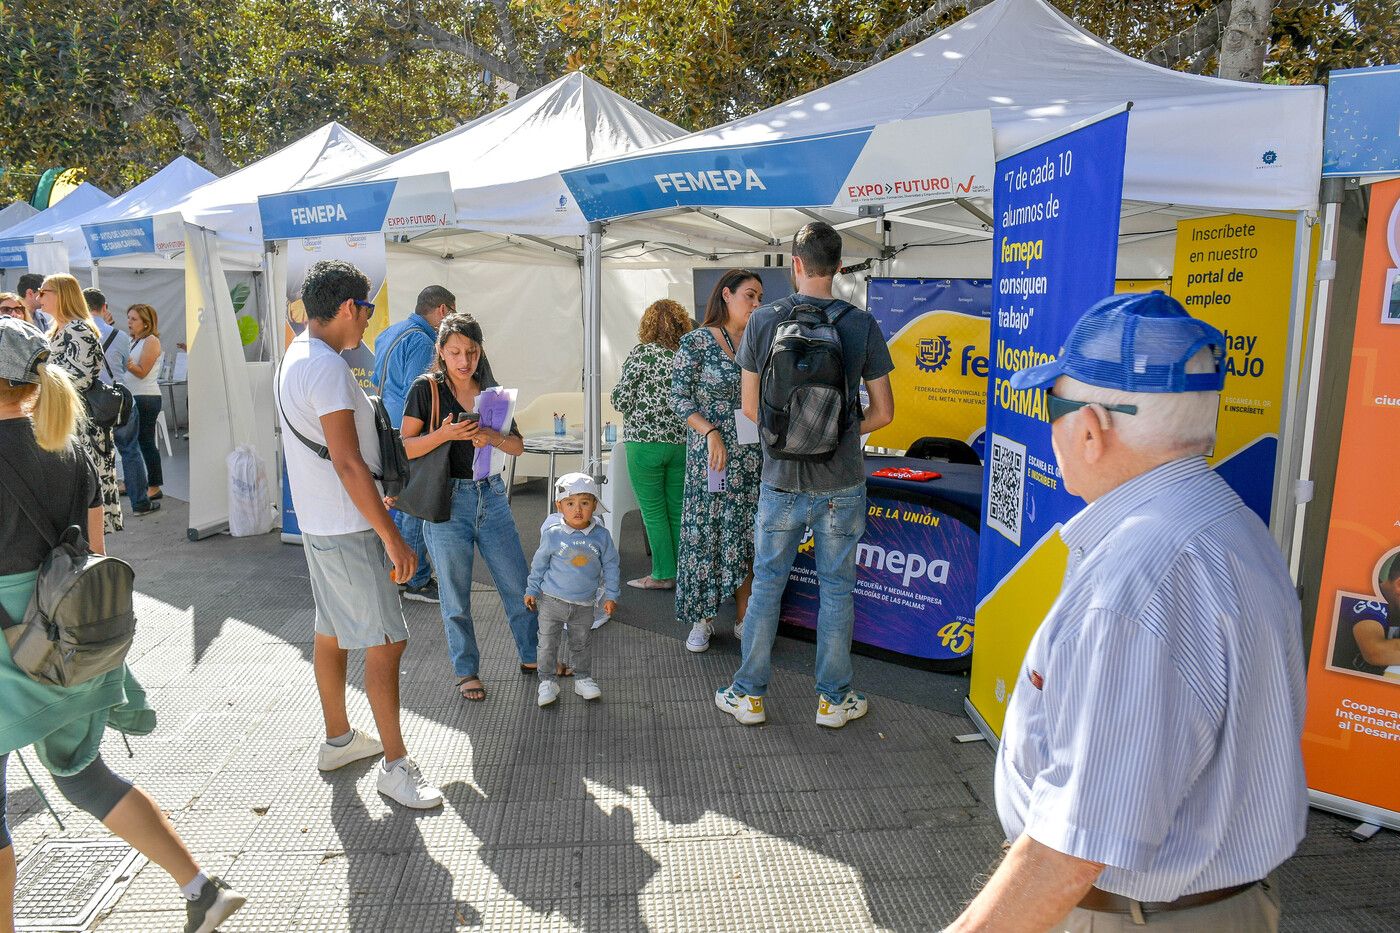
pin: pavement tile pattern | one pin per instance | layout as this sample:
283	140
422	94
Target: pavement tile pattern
648	810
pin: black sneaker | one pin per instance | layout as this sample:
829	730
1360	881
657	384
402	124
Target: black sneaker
215	904
427	593
152	506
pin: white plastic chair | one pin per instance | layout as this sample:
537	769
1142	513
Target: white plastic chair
619	498
163	433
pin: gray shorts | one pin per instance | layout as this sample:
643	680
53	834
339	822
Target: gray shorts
356	601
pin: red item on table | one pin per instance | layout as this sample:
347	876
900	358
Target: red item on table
916	476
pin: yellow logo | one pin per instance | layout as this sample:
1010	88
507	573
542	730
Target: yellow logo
580	560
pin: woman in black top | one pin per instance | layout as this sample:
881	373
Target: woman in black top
40	461
481	516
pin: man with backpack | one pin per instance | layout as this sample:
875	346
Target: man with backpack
354	553
402	353
803	359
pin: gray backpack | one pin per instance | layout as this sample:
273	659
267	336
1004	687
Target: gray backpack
80	621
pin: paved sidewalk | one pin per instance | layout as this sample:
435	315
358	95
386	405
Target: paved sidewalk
646	811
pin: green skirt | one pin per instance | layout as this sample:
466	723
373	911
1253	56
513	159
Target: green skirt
64	724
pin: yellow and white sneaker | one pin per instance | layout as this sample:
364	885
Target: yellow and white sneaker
747	709
836	715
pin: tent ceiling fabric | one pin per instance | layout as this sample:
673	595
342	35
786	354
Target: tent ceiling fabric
505	165
153	195
1191	139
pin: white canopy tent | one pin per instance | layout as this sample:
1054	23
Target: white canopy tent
156	193
1196	145
14	213
512	256
15	253
210	232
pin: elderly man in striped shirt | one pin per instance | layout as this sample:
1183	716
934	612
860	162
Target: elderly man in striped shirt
1149	772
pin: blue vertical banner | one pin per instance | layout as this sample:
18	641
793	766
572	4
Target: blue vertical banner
1055	252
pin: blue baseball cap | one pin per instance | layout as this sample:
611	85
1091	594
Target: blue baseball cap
1133	343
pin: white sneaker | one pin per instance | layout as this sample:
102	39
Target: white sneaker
747	709
836	715
361	745
699	639
549	692
405	784
587	688
739	630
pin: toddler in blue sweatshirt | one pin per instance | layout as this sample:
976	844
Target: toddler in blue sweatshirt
575	557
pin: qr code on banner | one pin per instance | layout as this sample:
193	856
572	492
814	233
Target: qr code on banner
1006	489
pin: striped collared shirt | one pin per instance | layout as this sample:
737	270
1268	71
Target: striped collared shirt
1155	725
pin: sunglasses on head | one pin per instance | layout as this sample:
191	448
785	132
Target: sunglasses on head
1059	407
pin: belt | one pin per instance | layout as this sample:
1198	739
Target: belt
1104	902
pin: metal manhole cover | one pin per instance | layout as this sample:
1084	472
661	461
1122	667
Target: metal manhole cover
64	883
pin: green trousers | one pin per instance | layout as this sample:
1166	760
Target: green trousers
658	478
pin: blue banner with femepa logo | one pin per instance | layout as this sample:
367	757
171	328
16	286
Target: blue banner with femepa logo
1363	122
938	332
406	205
1055	252
926	159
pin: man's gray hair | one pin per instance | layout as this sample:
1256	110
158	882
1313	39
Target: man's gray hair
433	296
1166	422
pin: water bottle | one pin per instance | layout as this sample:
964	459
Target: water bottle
610	432
559	424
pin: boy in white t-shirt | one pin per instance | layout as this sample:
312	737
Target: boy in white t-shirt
354	552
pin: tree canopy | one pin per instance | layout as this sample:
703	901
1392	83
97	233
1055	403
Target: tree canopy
120	87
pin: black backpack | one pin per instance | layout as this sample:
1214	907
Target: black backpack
80	622
804	399
393	460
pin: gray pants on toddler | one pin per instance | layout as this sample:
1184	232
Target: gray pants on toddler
554	614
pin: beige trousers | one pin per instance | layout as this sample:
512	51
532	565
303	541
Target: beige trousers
1252	911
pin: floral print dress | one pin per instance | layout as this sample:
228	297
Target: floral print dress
716	550
77	349
643	395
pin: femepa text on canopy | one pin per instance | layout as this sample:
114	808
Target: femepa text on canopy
729	179
318	214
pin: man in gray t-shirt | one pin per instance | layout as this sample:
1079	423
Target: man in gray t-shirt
826	497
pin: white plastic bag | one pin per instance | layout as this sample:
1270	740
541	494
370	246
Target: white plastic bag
249	505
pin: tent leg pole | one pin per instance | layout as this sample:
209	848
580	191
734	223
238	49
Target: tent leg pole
1291	402
593	350
1332	191
96	276
275	318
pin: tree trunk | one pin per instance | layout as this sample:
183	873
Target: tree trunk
1246	40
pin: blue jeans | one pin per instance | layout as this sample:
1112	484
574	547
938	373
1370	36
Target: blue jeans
411	527
128	440
481	518
837	521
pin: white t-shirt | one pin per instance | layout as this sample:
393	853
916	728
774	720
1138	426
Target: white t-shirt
316	381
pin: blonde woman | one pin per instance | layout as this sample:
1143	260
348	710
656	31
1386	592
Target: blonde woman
77	347
142	372
12	305
40	455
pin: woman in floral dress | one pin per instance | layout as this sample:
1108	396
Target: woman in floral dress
77	347
655	437
716	546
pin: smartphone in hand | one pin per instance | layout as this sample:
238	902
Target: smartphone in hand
469	416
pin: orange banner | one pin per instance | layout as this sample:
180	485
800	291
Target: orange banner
1351	739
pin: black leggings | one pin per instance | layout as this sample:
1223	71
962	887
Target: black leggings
147	407
95	789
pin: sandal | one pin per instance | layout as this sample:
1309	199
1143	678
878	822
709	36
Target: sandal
528	669
475	694
651	583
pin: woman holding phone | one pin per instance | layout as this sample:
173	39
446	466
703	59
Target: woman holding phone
481	516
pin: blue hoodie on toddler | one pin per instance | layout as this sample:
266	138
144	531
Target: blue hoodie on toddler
571	562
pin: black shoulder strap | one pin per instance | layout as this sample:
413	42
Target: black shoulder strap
108	342
106	365
320	450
